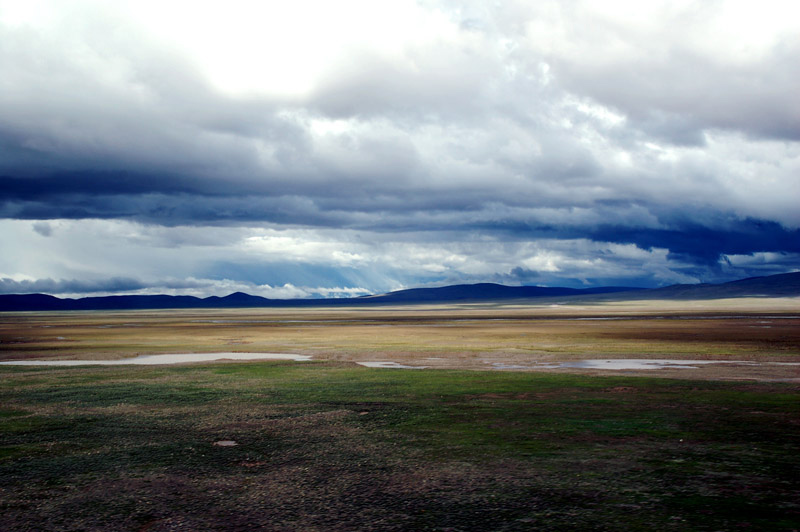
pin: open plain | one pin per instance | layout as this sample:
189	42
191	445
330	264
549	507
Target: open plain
762	332
504	430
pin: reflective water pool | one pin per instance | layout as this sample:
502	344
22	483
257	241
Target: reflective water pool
637	364
389	365
172	358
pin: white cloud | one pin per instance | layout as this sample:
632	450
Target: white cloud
250	47
173	260
400	142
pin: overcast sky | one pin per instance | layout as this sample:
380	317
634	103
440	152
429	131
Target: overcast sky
307	149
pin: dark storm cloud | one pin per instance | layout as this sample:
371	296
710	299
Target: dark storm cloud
43	228
525	122
51	286
686	239
90	183
104	98
689	238
691	242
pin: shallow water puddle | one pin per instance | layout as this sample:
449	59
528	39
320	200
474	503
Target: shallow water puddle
635	364
500	365
646	363
225	443
389	365
174	358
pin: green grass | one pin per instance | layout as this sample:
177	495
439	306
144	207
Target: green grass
331	446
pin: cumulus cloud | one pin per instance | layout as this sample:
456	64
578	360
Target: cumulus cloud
674	68
194	287
664	127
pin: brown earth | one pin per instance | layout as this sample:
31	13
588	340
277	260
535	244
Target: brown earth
486	336
332	447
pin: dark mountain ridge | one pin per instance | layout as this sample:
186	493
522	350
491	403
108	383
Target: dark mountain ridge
461	292
781	285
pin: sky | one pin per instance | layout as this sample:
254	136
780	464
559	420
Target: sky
335	149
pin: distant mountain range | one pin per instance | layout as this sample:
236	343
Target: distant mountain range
782	285
484	291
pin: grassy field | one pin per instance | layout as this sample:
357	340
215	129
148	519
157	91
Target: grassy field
451	337
329	445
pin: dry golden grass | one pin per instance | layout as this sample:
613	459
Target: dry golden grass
446	336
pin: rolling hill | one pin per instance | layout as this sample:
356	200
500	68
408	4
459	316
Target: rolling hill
781	285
